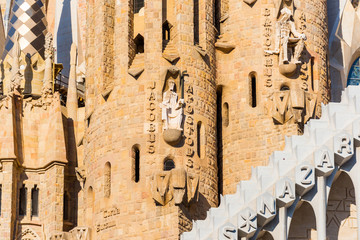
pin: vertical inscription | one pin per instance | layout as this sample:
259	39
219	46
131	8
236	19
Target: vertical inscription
151	127
189	126
268	62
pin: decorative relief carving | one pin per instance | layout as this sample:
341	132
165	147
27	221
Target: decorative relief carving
247	223
16	76
81	176
289	43
288	104
172	106
176	184
81	233
49	53
28	234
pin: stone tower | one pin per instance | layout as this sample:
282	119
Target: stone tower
183	97
272	70
150	140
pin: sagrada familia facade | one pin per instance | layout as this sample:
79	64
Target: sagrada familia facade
179	119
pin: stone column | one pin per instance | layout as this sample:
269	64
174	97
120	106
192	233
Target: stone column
53	218
8	198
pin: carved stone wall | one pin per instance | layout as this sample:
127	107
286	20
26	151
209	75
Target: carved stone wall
136	120
277	104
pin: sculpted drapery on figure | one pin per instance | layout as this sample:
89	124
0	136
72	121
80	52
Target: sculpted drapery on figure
172	108
287	37
16	75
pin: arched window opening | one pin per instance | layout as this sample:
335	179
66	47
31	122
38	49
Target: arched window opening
169	164
138	4
139	43
354	74
35	201
196	22
253	90
22	203
200	140
284	88
226	114
166	27
66	214
107	180
135	155
303	223
342	210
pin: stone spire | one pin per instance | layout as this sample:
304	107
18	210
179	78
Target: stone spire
71	102
49	53
28	19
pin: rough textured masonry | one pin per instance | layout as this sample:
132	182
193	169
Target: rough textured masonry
169	119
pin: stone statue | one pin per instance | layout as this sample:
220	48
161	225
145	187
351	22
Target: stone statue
288	37
16	75
172	108
49	52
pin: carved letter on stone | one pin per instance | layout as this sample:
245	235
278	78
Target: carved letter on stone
285	192
247	223
324	162
266	208
305	179
228	232
343	148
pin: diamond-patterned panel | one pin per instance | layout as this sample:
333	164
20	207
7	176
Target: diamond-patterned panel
28	19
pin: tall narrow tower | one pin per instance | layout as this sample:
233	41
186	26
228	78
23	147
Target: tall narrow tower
183	97
272	75
150	144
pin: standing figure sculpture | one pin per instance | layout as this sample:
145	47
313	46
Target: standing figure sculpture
16	76
287	38
172	108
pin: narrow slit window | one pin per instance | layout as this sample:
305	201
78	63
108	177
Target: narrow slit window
35	201
135	154
22	203
200	140
253	100
196	22
226	117
312	73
